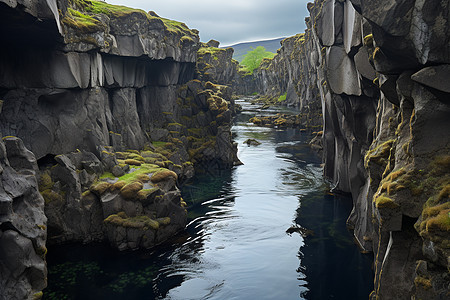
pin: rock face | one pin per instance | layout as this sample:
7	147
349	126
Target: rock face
385	121
380	71
106	99
289	78
23	224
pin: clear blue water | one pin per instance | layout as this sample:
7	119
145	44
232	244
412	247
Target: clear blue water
235	246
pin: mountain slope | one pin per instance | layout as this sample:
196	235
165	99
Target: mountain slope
242	48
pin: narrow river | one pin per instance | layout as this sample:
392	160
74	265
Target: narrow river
236	245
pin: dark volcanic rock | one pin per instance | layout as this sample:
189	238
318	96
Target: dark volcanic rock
23	225
88	86
379	70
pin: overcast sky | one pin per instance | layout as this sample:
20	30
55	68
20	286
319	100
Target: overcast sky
231	21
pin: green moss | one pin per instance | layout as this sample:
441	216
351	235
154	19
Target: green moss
37	296
444	192
282	97
384	202
135	156
440	165
51	196
118	11
42	251
130	190
158	144
378	155
132	151
210	50
368	40
107	175
133	162
45	181
163	221
138	222
178	27
100	188
162	175
82	22
422	282
145	193
118	185
143	169
86	193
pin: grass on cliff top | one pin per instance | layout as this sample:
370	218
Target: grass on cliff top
253	59
118	11
85	23
100	7
177	27
212	50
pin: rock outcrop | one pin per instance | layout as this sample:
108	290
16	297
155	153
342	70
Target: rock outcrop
379	69
23	224
106	99
288	78
384	134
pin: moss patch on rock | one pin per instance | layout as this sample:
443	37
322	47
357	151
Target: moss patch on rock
138	222
162	175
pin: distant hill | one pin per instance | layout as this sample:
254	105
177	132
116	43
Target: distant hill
242	48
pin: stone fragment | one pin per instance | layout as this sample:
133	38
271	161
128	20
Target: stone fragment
342	75
436	77
327	28
351	27
363	65
388	85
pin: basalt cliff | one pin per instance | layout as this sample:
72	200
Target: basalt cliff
379	72
104	110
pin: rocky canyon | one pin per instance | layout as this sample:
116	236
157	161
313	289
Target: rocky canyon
106	110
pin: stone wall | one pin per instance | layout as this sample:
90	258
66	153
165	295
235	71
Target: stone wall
106	100
381	79
23	224
379	71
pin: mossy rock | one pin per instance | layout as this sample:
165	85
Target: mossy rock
146	193
163	221
100	188
138	222
45	181
143	178
378	155
52	196
130	190
383	201
133	162
163	175
117	186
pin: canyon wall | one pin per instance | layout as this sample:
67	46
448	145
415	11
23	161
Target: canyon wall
104	113
379	70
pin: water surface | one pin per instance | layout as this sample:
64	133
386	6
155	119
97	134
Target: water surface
236	245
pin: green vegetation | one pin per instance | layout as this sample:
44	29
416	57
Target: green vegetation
379	155
82	22
282	97
81	14
139	222
212	50
253	58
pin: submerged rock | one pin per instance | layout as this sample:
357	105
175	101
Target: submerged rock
252	142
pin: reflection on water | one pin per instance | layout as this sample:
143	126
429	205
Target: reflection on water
235	246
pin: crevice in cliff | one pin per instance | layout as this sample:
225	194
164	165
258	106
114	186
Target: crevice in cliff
20	30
